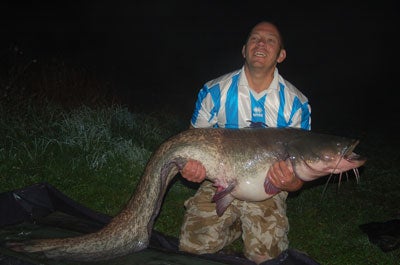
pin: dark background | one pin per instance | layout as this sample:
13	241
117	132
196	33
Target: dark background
342	54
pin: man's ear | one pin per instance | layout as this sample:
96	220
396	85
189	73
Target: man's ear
282	56
244	51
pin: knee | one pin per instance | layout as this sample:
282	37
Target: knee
203	238
198	245
266	246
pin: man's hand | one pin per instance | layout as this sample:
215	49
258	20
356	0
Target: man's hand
194	171
281	176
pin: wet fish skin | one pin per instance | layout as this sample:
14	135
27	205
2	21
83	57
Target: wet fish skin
235	160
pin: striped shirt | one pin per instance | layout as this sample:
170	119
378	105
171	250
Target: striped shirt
229	102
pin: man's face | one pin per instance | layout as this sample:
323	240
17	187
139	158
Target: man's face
263	47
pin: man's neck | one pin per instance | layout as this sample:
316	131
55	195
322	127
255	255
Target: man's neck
259	79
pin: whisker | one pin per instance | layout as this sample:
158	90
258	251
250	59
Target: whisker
355	170
357	174
340	180
326	185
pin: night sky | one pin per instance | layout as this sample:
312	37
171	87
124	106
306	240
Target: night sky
343	55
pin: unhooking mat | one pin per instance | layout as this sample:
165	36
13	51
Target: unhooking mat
43	211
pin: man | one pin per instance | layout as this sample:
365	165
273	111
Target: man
254	95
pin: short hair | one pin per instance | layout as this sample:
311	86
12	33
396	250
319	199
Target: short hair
281	42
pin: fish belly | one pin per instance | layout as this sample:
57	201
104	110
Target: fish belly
251	189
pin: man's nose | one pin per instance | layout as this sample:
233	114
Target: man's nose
261	42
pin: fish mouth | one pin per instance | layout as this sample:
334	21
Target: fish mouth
348	151
349	154
348	160
353	157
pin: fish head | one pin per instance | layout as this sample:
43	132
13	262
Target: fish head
316	155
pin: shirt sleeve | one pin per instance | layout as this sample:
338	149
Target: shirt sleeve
204	114
298	106
302	117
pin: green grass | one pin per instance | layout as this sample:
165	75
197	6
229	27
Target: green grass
96	155
327	227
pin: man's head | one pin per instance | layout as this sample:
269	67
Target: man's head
264	46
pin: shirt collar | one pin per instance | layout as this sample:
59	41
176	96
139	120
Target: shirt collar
273	86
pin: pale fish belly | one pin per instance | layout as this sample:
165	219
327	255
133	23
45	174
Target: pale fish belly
251	188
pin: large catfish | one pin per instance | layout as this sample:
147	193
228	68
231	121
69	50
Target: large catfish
235	160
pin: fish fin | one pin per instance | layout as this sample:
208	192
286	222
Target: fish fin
32	245
270	188
223	204
223	198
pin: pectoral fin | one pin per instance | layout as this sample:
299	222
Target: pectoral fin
223	198
270	188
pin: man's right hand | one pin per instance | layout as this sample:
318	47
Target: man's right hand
280	176
194	171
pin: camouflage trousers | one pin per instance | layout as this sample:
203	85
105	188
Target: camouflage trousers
262	225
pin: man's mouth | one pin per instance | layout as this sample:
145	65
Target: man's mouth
260	54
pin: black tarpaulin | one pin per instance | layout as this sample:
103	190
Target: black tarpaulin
41	210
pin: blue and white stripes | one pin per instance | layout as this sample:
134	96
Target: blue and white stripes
229	102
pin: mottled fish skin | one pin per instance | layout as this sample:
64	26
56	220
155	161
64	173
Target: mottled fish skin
235	160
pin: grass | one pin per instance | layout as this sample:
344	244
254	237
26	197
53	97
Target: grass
327	228
96	155
74	149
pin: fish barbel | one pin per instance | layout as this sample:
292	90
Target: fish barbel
236	161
